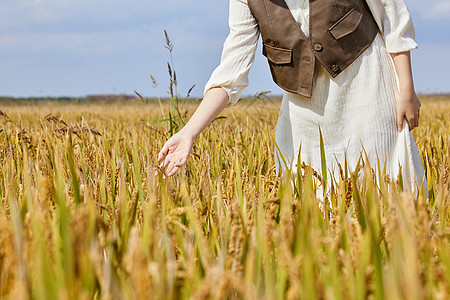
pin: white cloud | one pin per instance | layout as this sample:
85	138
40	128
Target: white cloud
38	25
41	3
30	12
73	43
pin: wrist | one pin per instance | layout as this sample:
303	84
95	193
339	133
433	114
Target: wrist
188	132
407	88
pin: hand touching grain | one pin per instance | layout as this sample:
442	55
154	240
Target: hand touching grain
175	153
177	149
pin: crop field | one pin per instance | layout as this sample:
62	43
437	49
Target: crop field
86	214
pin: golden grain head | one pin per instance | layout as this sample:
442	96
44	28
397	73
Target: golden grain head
93	221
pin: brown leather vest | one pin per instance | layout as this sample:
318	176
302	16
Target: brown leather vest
339	31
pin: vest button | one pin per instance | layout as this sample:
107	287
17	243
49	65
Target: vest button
334	68
318	47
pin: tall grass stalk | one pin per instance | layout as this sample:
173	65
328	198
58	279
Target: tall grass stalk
83	216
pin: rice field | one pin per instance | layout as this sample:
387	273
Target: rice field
85	214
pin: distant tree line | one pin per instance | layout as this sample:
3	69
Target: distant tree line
79	100
135	99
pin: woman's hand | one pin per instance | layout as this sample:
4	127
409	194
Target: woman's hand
408	106
177	149
175	153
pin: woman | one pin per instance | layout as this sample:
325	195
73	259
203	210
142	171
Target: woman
352	80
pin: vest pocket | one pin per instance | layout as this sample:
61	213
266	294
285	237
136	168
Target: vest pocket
347	24
277	55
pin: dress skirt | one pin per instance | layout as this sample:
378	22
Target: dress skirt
356	114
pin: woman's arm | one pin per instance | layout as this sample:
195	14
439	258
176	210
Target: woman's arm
177	149
224	86
238	52
408	104
395	23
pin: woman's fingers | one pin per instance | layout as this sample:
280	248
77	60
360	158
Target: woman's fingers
167	161
172	142
411	116
169	169
400	117
171	164
418	117
182	162
174	155
163	152
413	119
173	171
410	120
408	107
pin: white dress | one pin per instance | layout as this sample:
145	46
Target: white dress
355	111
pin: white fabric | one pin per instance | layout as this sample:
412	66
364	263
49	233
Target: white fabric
355	111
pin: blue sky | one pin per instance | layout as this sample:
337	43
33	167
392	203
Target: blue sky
80	47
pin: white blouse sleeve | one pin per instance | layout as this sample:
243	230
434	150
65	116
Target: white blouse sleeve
394	20
238	52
